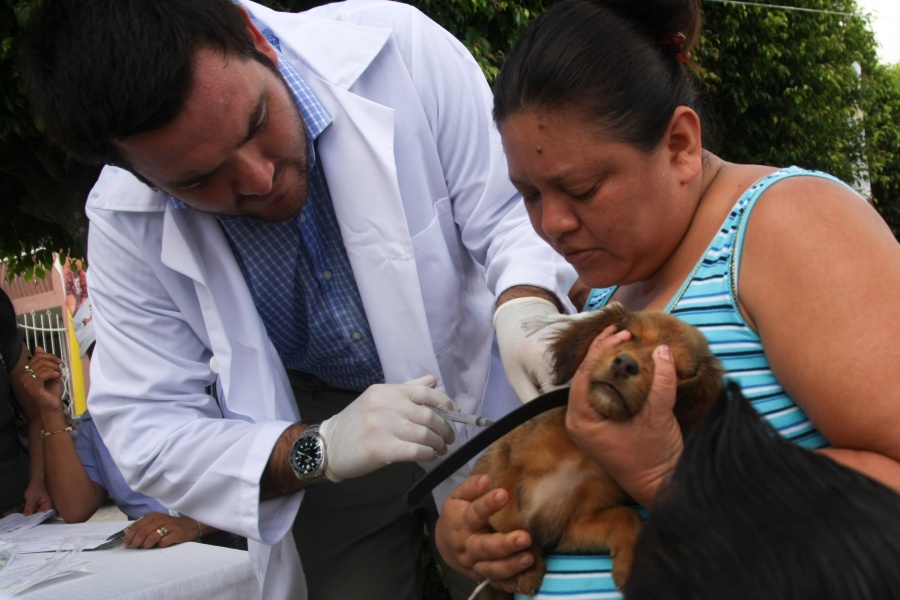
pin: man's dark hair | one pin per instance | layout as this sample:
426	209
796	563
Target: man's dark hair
98	71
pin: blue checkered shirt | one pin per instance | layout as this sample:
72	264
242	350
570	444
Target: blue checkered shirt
299	274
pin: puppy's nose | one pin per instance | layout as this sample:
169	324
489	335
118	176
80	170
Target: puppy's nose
625	366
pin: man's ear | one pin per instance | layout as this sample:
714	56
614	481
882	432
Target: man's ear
259	40
684	142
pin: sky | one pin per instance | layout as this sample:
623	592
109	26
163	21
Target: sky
886	24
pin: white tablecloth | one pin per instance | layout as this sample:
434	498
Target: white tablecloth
188	571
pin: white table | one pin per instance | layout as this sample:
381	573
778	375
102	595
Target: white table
188	571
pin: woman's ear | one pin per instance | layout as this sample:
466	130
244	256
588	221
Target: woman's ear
684	143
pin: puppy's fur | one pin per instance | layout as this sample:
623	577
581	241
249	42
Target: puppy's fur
556	493
749	515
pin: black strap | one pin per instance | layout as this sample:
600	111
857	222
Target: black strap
488	436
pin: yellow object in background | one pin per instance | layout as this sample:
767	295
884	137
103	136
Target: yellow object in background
76	372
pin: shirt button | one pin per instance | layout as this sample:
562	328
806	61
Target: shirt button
356	335
326	275
302	218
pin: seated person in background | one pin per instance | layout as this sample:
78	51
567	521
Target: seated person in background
21	490
80	473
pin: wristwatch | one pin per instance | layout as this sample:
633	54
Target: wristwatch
307	456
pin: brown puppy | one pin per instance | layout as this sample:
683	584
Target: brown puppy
556	493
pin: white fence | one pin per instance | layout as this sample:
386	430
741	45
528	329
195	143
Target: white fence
49	330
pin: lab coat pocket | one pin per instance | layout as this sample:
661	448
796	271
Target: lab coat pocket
440	268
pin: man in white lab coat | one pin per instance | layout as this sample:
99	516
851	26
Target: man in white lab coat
343	230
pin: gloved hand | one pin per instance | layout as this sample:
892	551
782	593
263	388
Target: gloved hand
388	423
525	327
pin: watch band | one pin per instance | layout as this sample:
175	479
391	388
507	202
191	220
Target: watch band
310	441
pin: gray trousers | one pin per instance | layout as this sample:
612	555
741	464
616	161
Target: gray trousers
358	539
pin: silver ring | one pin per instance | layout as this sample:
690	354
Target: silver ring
162	531
30	371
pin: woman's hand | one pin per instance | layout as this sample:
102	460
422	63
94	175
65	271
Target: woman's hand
639	453
37	498
467	542
42	379
147	532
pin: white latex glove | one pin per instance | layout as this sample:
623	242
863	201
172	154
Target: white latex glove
388	423
525	328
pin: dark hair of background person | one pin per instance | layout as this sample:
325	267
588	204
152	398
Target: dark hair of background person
749	515
614	63
97	71
14	465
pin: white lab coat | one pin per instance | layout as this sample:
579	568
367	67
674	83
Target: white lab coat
433	230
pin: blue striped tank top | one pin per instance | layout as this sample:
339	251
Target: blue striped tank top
707	300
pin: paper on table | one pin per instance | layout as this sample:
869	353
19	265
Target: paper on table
19	578
49	537
17	522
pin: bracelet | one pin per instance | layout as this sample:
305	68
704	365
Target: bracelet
199	532
46	434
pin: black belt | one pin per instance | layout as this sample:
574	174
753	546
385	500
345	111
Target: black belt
488	436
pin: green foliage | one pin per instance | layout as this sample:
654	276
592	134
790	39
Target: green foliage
41	192
487	27
803	88
882	108
783	84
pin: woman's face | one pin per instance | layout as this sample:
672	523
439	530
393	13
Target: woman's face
603	205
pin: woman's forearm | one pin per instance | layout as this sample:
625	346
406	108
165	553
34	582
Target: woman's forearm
75	496
877	466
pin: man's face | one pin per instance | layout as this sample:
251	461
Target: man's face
238	146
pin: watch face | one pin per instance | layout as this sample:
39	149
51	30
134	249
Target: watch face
307	455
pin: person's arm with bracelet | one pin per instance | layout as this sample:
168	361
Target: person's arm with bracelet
37	497
76	495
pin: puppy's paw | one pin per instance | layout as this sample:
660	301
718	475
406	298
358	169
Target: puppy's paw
529	582
628	528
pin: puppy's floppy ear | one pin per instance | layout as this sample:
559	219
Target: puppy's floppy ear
697	394
570	345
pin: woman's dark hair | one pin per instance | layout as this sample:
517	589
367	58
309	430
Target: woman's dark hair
621	64
103	70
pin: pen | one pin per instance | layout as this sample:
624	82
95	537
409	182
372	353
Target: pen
463	418
117	535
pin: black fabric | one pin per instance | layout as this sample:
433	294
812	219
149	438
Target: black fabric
13	459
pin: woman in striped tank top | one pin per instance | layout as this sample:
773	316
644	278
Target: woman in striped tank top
793	277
